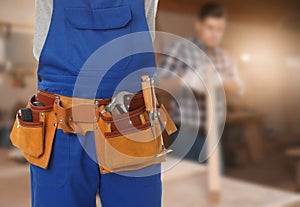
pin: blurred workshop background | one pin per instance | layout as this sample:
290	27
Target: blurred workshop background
261	139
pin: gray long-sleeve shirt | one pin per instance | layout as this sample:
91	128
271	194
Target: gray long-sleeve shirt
43	17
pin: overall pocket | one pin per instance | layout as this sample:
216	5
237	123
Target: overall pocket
88	29
35	138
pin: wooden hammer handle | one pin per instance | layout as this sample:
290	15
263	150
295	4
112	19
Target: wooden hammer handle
147	92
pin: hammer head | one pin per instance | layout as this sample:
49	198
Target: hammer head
118	100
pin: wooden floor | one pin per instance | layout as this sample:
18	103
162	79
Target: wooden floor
189	190
183	186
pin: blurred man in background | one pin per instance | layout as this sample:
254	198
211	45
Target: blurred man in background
210	28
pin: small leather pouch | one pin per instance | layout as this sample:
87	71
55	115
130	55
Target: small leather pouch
28	136
35	138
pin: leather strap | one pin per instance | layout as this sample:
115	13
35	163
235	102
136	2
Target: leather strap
48	99
78	115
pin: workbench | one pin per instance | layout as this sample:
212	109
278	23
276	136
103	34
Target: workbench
295	154
251	124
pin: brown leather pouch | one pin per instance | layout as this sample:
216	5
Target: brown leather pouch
35	138
128	141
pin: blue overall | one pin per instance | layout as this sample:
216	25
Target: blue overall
78	28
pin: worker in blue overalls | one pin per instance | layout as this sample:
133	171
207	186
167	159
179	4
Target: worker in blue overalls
77	29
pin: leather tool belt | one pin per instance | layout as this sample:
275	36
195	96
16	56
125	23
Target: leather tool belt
127	141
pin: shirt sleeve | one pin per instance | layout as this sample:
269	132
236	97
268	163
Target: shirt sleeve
170	63
234	76
151	11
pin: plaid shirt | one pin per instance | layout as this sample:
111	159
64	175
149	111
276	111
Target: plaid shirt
179	59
